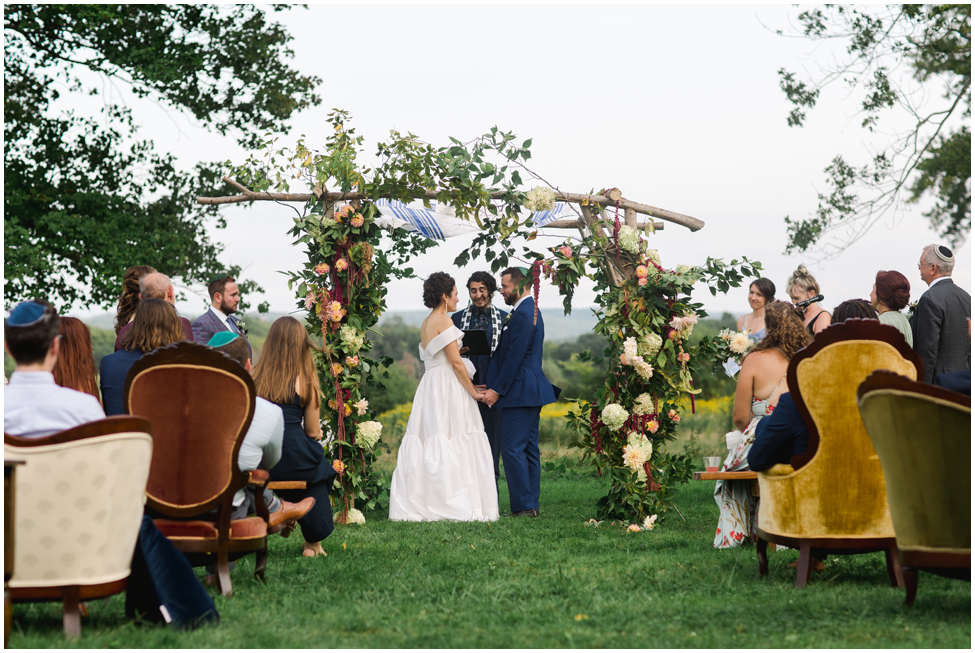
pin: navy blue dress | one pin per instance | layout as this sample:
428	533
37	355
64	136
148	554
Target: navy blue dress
303	459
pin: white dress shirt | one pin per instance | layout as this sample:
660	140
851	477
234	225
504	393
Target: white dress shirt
223	319
34	406
262	442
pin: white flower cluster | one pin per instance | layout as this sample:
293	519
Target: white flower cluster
614	416
352	338
649	522
629	239
540	198
649	345
688	271
362	406
643	405
740	343
631	357
654	255
637	451
356	517
367	434
684	324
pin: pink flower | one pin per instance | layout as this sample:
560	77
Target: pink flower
633	528
671	334
336	316
310	300
352	361
566	251
641	271
358	220
685	357
341	264
342	212
641	282
653	426
338	466
337	369
674	416
322	268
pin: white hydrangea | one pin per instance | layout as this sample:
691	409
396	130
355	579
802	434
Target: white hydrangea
650	344
726	334
688	271
684	324
614	416
654	255
355	517
643	404
540	198
367	434
740	343
629	351
352	338
629	239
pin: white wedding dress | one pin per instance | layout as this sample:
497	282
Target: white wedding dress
444	468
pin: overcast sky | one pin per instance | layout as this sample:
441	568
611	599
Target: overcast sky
679	107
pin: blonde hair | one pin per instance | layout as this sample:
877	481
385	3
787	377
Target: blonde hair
803	280
286	356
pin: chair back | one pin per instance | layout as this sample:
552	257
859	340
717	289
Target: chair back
201	403
922	435
79	502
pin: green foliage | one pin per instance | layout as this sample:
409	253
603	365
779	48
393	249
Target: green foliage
934	41
85	197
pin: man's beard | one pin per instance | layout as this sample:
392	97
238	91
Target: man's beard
227	309
511	299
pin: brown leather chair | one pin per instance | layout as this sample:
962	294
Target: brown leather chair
833	500
201	404
79	500
922	434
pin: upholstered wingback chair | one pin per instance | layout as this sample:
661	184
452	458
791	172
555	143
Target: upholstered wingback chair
201	403
922	435
834	497
79	500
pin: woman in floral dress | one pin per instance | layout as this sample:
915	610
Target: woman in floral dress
762	375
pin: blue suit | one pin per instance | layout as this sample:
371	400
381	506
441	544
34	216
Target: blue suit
488	415
515	373
208	324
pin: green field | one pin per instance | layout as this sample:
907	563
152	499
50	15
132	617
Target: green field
547	582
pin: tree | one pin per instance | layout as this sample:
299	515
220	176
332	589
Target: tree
85	197
933	157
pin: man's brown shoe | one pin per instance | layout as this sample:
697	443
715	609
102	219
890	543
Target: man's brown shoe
288	512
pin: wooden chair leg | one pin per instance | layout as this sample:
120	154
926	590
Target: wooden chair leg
260	563
72	615
761	550
223	574
894	569
805	565
910	582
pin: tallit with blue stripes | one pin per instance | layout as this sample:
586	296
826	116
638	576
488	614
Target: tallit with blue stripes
437	224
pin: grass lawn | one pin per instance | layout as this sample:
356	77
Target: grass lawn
546	582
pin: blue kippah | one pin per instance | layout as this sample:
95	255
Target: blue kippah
25	314
222	338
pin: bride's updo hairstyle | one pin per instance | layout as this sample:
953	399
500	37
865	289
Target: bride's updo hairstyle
893	289
435	287
802	280
784	329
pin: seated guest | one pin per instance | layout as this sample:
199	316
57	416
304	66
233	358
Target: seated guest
802	286
286	375
156	286
762	375
75	367
156	325
261	446
129	300
34	406
853	308
891	293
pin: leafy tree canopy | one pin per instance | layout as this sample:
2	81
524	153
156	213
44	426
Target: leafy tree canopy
933	157
85	197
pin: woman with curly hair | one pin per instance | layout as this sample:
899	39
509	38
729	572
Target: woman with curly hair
762	375
75	366
803	286
444	468
891	293
129	300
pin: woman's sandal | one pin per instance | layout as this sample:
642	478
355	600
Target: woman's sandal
312	550
289	528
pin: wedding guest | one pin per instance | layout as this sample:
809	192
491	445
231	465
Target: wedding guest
129	300
156	285
34	406
75	367
853	308
938	323
481	314
762	375
760	293
891	293
802	286
224	300
156	325
285	375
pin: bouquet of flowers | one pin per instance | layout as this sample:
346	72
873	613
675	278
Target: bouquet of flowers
731	348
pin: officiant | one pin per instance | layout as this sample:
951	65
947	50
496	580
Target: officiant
481	315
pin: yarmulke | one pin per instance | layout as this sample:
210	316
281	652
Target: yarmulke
222	338
25	314
944	253
218	276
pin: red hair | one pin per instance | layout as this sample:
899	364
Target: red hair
893	289
75	367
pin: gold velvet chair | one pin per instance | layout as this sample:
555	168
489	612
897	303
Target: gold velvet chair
201	403
833	499
922	434
79	500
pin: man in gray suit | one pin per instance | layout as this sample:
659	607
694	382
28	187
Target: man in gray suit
224	298
939	322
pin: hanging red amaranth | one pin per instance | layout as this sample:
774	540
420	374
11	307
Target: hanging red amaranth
536	274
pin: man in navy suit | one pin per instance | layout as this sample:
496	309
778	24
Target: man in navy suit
517	384
481	315
224	298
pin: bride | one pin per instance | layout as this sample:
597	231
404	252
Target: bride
444	468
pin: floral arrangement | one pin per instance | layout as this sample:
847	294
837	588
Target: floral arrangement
730	349
540	198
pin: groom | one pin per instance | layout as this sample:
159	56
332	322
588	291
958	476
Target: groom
517	384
